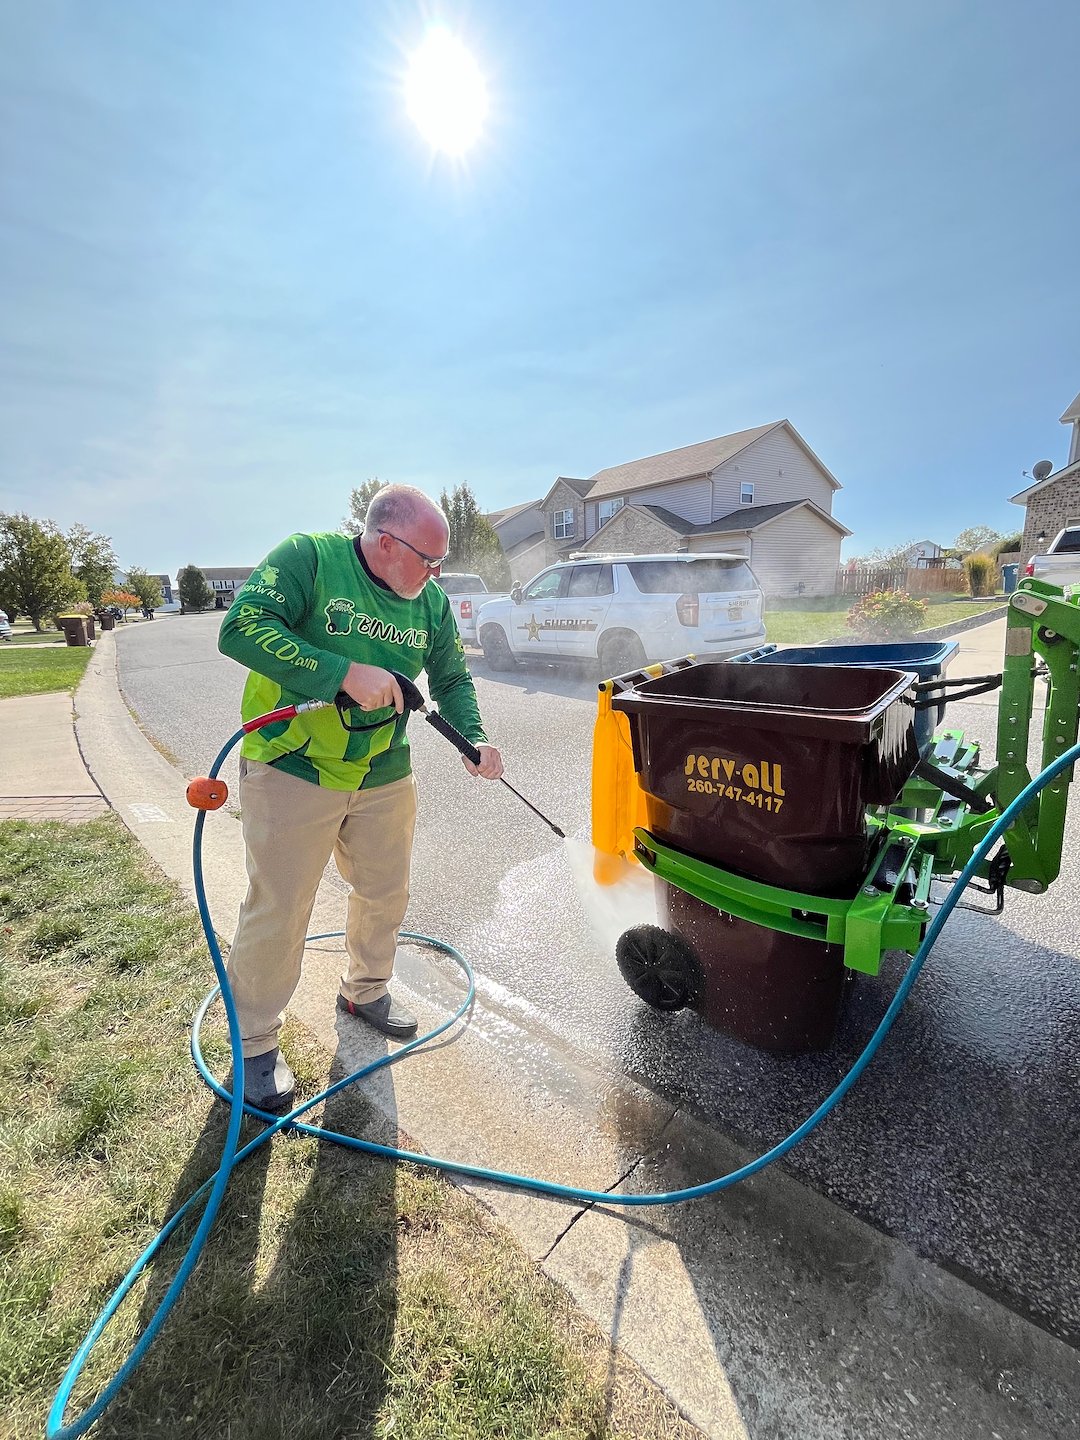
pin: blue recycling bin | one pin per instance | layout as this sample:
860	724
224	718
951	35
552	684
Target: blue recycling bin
929	659
1010	574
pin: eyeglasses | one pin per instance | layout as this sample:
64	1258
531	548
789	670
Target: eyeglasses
430	561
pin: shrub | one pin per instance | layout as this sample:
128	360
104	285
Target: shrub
887	615
982	575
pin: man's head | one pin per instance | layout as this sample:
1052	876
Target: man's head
405	539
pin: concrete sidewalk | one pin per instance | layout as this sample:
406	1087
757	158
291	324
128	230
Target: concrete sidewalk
42	773
766	1312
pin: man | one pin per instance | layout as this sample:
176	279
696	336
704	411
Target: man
325	614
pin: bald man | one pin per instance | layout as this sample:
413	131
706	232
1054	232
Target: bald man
323	614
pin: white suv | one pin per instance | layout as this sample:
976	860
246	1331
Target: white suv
625	610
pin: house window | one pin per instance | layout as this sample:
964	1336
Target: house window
746	492
562	524
607	508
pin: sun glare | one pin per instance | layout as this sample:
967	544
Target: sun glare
445	93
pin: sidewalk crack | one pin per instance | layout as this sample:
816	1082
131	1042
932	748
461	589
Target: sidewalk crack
616	1184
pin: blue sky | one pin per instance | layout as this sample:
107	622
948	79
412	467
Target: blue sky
234	280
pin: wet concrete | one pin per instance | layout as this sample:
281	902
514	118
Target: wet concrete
961	1140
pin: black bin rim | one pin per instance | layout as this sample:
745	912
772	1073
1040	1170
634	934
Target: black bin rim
652	694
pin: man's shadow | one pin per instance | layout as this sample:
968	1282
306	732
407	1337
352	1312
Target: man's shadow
285	1327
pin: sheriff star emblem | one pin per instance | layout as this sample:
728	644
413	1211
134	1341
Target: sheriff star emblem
533	628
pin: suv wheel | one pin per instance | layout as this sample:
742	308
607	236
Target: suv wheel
496	648
620	652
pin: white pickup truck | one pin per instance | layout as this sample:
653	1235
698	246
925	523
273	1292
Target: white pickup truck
621	610
466	594
1060	563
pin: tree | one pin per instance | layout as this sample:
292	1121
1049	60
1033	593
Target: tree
885	557
93	561
125	599
1007	544
976	537
474	545
147	587
35	569
195	593
360	497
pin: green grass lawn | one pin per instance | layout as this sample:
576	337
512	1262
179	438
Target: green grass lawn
338	1296
34	671
813	626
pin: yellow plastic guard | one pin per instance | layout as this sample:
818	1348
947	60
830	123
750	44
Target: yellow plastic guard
618	801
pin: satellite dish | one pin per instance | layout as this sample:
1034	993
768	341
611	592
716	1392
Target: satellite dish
1042	469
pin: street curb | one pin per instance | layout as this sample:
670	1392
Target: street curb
943	632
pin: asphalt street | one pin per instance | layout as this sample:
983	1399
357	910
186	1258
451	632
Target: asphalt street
962	1139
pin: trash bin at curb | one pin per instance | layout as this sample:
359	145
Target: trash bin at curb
1010	574
74	627
767	771
107	622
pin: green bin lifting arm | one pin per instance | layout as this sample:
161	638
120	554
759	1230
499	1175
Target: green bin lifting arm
1044	624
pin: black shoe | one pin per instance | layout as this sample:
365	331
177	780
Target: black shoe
382	1016
269	1084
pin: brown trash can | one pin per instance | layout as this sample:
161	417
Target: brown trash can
767	771
107	622
91	632
74	627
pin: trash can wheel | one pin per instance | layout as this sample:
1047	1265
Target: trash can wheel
659	967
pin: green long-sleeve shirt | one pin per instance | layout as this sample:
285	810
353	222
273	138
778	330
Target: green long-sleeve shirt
307	612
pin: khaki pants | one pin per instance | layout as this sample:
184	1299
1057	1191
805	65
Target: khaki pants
291	828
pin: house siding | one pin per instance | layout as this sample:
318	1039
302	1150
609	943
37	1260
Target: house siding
779	469
689	499
796	548
730	544
529	562
519	527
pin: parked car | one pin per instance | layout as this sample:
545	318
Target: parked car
1060	563
625	610
466	594
5	626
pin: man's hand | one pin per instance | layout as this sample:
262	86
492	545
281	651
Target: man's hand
372	688
490	767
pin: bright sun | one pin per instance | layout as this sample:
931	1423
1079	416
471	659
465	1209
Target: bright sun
445	93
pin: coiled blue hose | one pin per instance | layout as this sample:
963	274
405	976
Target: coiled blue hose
57	1430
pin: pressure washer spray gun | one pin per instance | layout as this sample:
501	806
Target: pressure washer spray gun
211	794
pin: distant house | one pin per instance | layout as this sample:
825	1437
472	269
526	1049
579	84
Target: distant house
521	534
762	493
924	555
1053	501
225	582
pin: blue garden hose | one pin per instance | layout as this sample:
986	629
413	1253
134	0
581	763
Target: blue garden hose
57	1430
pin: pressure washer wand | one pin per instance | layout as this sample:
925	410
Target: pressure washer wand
415	701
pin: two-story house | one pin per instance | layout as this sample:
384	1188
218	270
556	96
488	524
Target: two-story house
762	493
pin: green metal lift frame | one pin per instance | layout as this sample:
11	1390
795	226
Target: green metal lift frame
929	834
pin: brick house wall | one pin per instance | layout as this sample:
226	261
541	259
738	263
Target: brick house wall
1049	511
562	498
637	531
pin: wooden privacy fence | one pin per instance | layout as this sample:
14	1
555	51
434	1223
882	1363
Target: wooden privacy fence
868	580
